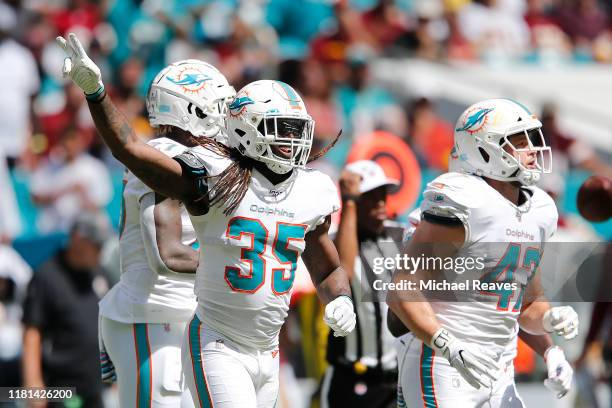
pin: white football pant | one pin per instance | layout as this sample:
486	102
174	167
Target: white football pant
428	380
147	360
221	374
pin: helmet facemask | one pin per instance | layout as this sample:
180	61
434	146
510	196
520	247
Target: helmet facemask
284	142
268	122
526	155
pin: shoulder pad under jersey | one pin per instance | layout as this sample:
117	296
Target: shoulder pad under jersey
453	195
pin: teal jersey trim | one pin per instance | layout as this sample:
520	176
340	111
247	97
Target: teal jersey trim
427	383
197	365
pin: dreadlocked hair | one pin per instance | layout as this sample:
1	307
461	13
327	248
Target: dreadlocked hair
326	149
233	183
177	134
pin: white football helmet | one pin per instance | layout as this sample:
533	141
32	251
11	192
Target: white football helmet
268	122
482	137
191	95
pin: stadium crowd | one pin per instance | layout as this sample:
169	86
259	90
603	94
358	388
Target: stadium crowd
58	167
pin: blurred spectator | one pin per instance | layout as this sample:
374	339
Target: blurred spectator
15	274
430	135
363	365
295	31
317	90
10	218
333	46
497	33
82	13
431	29
250	52
547	38
19	83
69	111
129	94
69	183
538	13
385	23
458	47
582	20
362	101
567	149
62	301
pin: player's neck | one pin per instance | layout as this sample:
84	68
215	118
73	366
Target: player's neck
511	191
273	177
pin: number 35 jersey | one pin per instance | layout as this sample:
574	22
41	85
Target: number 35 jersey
509	241
249	258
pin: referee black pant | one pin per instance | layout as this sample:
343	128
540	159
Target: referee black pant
343	387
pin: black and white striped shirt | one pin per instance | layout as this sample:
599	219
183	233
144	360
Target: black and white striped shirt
370	343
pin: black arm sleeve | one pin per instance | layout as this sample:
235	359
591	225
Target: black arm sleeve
195	168
438	219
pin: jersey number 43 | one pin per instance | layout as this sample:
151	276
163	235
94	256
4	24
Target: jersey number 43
283	257
505	271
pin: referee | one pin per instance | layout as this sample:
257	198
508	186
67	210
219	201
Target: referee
363	365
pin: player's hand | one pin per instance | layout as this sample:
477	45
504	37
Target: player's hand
340	316
79	67
349	184
562	320
473	363
560	372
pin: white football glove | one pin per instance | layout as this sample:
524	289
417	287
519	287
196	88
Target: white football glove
560	372
79	67
562	320
340	316
472	362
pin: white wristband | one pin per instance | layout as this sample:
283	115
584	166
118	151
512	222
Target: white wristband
440	339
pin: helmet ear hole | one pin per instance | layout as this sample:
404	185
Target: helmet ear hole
240	132
484	154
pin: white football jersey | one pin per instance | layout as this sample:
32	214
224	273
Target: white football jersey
142	294
249	258
508	238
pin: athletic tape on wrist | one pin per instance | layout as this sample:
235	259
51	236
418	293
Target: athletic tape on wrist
95	97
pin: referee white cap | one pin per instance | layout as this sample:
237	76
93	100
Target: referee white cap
372	175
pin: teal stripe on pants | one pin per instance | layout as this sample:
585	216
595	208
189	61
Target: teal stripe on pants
427	384
197	366
143	355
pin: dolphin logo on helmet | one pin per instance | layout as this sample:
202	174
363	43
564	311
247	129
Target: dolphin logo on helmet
190	79
475	119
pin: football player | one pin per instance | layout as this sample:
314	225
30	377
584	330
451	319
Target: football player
559	371
143	317
255	209
461	353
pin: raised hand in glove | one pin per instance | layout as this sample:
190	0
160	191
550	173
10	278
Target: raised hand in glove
80	68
